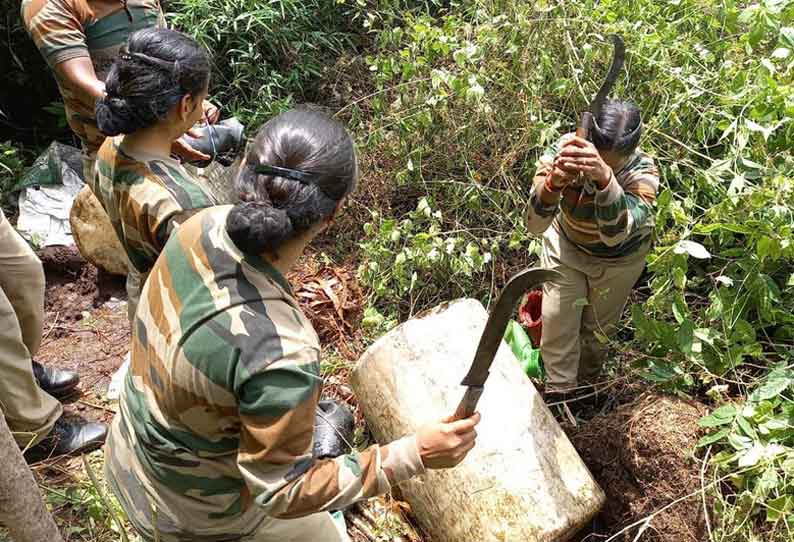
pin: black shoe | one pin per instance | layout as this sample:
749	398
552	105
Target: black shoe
69	438
56	382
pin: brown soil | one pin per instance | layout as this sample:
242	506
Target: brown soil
85	329
74	286
61	259
640	454
331	298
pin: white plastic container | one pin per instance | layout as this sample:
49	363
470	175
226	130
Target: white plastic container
523	481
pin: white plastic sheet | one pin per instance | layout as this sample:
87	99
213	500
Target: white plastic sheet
44	212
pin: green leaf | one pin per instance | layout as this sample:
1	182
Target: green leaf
679	278
745	426
743	332
713	437
680	310
707	335
779	508
685	336
721	416
768	481
766	247
787	36
775	383
740	442
661	372
731	227
774	425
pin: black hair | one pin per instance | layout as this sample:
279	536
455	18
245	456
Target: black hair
617	127
151	74
298	168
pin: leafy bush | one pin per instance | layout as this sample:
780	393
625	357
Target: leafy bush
756	444
266	55
465	103
408	259
11	166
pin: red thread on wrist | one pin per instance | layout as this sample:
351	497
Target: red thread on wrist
547	184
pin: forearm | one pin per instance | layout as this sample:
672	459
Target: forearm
79	75
543	205
336	483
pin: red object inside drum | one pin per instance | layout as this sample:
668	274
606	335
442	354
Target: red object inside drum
529	315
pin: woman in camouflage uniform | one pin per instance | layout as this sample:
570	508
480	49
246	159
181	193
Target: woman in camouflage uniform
593	204
155	91
79	39
213	440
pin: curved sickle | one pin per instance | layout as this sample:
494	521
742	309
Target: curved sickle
495	327
618	58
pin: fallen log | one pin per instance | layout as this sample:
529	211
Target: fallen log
523	481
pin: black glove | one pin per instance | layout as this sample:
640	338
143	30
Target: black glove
333	429
221	141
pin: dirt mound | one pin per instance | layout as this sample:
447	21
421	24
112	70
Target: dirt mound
641	455
61	259
74	285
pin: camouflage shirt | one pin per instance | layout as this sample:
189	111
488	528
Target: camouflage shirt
64	30
216	419
145	197
609	223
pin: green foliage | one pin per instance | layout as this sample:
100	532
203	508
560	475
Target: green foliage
406	260
267	55
731	302
465	103
11	166
756	455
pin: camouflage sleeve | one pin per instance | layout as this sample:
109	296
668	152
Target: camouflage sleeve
56	27
153	208
148	213
539	215
623	208
277	409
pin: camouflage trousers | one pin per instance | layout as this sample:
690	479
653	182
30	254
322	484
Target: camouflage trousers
314	528
29	411
582	309
146	503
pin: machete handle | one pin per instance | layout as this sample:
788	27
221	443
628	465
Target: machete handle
468	404
585	121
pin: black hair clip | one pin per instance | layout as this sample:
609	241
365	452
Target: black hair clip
287	173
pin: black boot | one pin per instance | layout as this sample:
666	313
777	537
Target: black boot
56	382
69	437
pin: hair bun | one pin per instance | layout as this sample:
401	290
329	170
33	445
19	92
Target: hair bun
256	227
115	116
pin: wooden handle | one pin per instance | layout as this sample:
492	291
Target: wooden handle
585	121
468	404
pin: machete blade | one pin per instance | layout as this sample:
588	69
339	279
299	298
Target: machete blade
618	58
498	319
